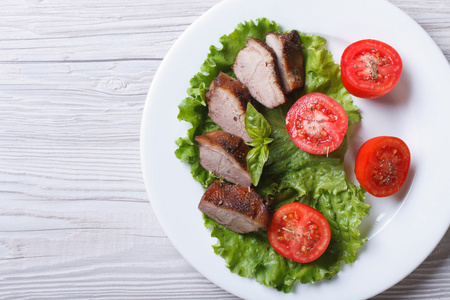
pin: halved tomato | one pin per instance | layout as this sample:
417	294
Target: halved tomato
382	164
299	232
317	123
370	68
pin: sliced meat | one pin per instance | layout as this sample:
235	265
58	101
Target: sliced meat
221	79
227	100
225	155
288	49
255	66
238	208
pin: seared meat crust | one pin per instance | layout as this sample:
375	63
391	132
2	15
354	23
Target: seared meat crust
238	208
288	50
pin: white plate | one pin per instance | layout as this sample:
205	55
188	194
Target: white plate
402	229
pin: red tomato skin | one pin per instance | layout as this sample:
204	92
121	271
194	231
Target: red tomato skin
294	246
334	130
382	78
376	153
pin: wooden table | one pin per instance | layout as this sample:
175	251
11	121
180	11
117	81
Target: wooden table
75	221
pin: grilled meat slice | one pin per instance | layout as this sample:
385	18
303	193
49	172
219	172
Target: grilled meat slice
227	100
288	50
255	66
225	155
238	208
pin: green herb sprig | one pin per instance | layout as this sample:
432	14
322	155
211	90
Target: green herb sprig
259	130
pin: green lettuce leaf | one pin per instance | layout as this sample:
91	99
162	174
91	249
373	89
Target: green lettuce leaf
290	174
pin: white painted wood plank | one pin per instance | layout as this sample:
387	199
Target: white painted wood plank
75	222
100	30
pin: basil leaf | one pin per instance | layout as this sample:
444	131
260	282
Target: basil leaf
256	158
255	143
255	123
259	129
267	141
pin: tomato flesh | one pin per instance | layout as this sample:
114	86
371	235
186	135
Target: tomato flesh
370	68
382	165
299	232
317	123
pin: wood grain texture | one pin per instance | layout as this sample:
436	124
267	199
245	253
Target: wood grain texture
75	221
